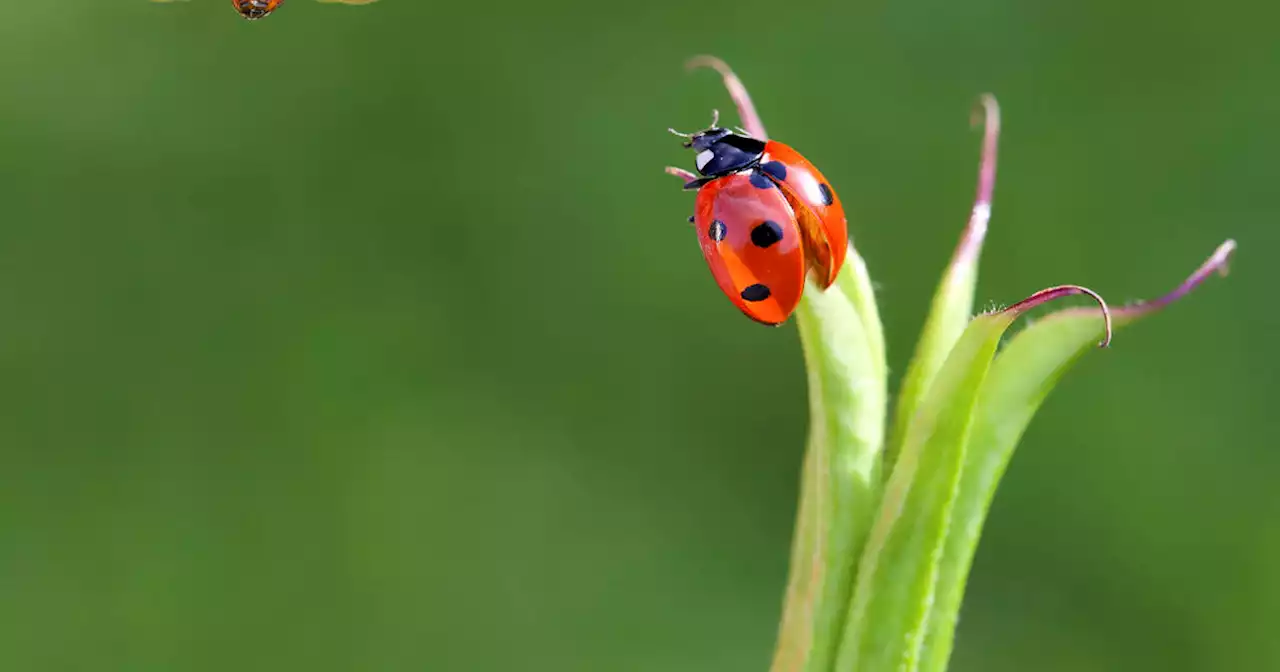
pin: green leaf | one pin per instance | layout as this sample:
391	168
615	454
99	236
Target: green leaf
840	485
953	300
896	580
1023	375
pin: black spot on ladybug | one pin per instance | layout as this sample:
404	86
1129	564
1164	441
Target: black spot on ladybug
776	169
759	181
827	198
716	231
766	233
755	293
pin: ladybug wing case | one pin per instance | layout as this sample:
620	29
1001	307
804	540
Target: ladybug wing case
819	212
749	237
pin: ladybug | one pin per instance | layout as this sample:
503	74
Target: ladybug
256	9
765	218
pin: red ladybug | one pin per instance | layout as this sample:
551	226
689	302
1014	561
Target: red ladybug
765	217
256	9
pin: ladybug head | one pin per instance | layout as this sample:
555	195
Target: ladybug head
703	140
721	151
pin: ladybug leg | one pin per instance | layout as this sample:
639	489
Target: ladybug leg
688	177
691	181
681	173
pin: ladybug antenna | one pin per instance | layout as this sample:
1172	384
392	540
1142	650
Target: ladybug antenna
682	135
742	131
715	119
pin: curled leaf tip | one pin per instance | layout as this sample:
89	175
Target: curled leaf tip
1216	263
1046	295
738	92
708	61
986	110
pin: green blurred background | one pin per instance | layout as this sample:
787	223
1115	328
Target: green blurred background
374	338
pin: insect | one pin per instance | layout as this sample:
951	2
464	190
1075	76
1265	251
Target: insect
765	218
256	9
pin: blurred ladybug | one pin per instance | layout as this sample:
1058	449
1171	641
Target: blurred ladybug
256	9
765	217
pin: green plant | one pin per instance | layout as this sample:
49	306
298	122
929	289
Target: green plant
890	513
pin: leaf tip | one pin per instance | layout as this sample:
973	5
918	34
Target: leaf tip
737	91
1217	264
708	61
987	111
